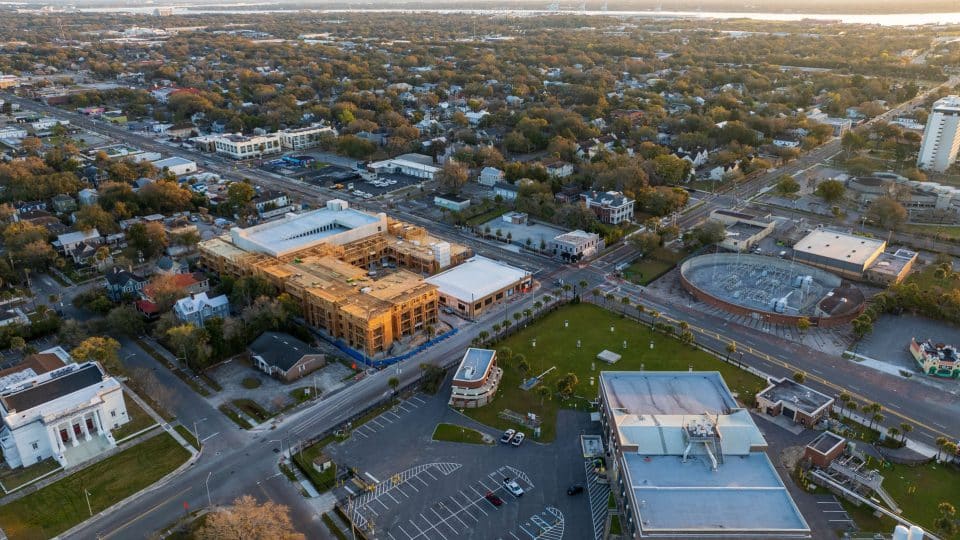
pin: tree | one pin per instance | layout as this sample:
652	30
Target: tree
150	239
452	176
239	195
104	350
941	441
17	343
249	520
799	377
905	429
189	343
876	420
888	212
946	523
844	401
567	384
787	185
831	191
127	320
645	242
711	232
524	367
803	325
94	217
393	382
893	432
544	393
731	348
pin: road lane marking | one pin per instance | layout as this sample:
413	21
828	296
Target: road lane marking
145	514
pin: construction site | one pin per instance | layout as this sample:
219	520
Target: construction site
358	277
778	290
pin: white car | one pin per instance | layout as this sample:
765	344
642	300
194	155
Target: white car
518	439
507	436
513	487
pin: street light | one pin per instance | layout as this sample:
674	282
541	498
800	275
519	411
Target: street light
195	432
207	483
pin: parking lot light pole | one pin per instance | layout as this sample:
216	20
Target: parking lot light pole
207	483
196	433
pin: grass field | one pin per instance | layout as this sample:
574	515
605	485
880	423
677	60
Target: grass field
652	266
61	505
951	232
458	434
14	478
557	346
139	419
918	490
323	481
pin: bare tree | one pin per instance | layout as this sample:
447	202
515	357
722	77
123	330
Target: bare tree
249	520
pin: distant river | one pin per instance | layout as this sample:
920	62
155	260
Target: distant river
897	19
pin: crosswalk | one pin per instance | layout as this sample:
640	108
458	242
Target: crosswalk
599	494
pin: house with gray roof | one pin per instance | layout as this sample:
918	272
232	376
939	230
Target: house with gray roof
284	356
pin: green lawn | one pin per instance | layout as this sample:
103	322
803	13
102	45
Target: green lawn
557	346
302	394
232	414
139	419
615	525
459	434
252	409
323	481
14	478
185	432
61	505
918	491
652	266
947	231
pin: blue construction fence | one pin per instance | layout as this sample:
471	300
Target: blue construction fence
380	364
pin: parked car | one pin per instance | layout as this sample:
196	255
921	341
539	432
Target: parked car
518	439
492	497
507	435
575	489
513	487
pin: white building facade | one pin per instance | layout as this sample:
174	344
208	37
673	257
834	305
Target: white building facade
66	414
305	137
243	147
941	139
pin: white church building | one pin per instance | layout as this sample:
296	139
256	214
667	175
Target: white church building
66	414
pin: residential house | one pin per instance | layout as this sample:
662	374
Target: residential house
490	176
557	168
13	316
65	414
176	166
697	157
88	197
722	172
786	141
63	203
79	245
196	309
284	356
29	206
506	191
611	207
121	283
195	283
271	203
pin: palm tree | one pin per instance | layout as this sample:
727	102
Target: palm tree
684	325
876	420
544	392
547	299
394	383
640	311
799	377
654	317
567	288
583	284
506	325
595	293
527	313
731	348
950	450
496	328
625	300
483	335
517	317
844	400
905	428
893	432
940	442
537	305
524	368
607	298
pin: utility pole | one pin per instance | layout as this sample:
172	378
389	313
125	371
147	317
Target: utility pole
207	483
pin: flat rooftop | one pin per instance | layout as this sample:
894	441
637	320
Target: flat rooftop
299	231
795	395
825	442
743	496
840	246
744	230
474	365
666	392
476	278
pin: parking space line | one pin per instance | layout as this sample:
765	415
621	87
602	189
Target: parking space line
394	499
393	413
385	419
390	535
370	429
428	473
417	527
522	528
409	485
461	510
404	532
399	489
385	507
401	406
362	434
515	536
374	421
443	521
417	399
372	511
482	496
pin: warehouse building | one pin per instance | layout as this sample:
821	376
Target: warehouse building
479	283
854	257
688	462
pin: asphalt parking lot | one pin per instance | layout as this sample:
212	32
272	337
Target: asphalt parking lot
425	489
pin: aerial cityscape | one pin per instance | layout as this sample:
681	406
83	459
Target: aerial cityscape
436	270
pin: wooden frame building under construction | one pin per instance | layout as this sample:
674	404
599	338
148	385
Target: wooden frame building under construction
340	264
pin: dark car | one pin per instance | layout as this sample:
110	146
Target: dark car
494	500
575	489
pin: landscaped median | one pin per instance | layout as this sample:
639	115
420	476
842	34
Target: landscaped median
459	434
63	504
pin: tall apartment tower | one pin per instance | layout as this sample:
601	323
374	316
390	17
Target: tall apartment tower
941	137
